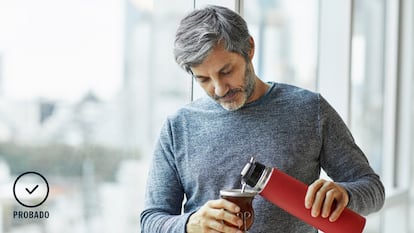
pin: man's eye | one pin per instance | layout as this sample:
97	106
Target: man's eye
226	72
202	79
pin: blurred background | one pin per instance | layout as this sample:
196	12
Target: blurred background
85	86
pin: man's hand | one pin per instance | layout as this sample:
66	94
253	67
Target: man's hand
322	195
211	217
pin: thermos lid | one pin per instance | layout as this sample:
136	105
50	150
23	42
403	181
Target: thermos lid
252	172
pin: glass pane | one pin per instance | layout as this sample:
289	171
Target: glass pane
368	78
286	35
84	89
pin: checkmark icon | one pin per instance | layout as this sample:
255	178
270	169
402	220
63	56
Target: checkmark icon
31	182
31	191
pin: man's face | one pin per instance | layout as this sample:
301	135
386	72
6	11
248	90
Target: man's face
226	77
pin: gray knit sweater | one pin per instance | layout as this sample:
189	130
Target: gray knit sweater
203	147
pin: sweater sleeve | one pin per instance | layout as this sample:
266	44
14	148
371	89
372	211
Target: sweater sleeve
346	164
164	193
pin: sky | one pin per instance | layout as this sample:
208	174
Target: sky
61	49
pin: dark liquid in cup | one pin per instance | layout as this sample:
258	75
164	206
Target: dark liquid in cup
244	201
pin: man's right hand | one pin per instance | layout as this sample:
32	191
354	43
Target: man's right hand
211	217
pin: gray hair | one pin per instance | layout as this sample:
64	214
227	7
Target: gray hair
201	30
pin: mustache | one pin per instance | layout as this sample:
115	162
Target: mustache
230	92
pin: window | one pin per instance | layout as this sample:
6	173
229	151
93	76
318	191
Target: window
286	35
84	89
368	78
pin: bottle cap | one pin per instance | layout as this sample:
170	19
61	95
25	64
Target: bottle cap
252	172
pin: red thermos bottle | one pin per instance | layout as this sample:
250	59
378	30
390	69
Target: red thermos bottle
289	193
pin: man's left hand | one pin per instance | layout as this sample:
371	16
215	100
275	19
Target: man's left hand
322	195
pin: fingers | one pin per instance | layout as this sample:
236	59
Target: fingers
224	204
212	217
326	199
225	211
223	215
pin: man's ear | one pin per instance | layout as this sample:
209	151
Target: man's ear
251	53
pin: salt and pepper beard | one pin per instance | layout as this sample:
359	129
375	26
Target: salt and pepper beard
247	91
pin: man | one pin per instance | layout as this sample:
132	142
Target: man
203	147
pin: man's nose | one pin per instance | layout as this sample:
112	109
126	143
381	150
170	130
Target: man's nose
220	88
